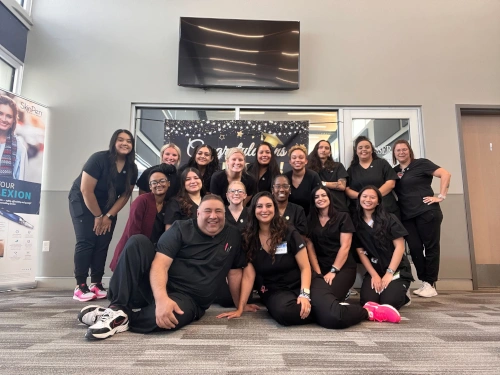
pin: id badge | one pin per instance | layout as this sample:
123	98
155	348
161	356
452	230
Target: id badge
396	276
281	248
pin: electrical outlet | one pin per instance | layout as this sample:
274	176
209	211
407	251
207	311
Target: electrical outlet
46	246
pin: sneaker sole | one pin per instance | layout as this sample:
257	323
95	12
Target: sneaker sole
417	292
101	336
433	295
83	299
100	297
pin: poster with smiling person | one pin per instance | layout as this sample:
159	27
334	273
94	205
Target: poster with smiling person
22	138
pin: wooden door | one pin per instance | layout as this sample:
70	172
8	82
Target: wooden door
481	139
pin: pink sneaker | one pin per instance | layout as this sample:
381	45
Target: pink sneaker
98	290
382	313
82	293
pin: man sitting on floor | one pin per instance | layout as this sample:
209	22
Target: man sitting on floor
192	260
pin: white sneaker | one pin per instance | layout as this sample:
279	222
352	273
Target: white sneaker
428	291
419	290
109	323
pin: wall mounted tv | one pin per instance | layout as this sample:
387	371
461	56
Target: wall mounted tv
230	53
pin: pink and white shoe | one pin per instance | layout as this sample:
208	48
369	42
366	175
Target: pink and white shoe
83	294
98	290
382	313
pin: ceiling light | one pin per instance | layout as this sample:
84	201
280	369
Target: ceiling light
232	49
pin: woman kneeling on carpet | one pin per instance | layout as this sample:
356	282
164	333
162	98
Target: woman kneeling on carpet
380	244
277	253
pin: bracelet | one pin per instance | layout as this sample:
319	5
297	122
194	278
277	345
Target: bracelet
100	216
390	271
305	295
440	196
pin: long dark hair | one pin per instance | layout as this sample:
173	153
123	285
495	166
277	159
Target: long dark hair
278	228
381	219
272	167
211	167
314	211
5	100
183	196
130	167
407	144
315	162
355	157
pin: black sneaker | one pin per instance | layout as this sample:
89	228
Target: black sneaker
89	315
109	323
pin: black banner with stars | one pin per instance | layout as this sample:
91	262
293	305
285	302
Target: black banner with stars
224	134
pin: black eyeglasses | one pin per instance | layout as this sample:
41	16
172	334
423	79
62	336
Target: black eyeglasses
284	186
153	183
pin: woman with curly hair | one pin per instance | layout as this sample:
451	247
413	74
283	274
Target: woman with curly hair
333	174
265	167
186	203
13	154
379	241
204	159
277	253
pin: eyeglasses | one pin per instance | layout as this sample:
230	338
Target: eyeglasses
234	191
153	183
284	186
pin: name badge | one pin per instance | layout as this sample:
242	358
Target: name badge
281	248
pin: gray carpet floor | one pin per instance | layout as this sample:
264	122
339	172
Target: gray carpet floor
454	333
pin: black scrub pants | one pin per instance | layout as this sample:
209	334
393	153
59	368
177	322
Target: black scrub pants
325	308
91	250
394	294
342	283
130	290
424	234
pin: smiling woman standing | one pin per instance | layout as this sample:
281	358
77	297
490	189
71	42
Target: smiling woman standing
12	150
265	167
100	191
204	159
303	180
235	171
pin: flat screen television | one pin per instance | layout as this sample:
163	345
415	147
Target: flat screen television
231	53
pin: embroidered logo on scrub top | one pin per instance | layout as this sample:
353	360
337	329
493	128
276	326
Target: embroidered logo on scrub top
227	248
374	260
281	248
241	220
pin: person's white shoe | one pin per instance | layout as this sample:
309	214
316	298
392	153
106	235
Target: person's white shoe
428	291
417	291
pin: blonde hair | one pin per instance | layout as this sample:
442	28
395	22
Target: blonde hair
234	150
237	182
171	145
297	147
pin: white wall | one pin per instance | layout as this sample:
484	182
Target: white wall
89	60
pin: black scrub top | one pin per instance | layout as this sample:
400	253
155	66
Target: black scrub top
159	225
98	167
295	215
173	189
173	211
200	262
340	200
380	258
242	221
284	273
265	182
413	184
326	240
205	177
219	185
377	174
302	194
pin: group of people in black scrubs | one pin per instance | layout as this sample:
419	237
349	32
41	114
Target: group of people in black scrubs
302	233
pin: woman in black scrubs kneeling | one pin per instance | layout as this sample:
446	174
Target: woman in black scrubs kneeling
420	212
277	253
380	244
331	232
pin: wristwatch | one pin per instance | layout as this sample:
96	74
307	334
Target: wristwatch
111	217
305	291
323	183
440	196
334	270
390	271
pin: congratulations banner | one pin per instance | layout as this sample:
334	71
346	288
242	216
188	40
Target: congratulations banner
224	134
22	138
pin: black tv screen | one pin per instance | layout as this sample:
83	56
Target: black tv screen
230	53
